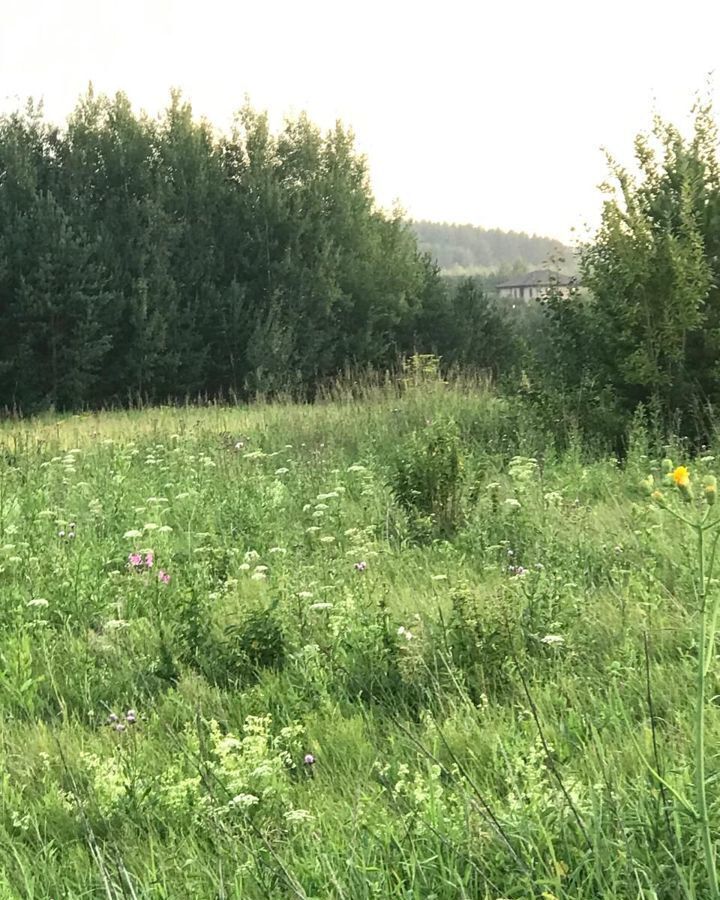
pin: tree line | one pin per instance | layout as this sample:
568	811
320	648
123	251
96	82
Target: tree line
460	248
155	258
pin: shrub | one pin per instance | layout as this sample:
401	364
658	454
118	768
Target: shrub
427	479
257	641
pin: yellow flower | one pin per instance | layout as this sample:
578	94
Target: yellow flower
681	477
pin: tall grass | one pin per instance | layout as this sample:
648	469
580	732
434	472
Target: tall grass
323	701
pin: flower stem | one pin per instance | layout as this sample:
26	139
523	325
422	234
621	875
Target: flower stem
710	647
700	729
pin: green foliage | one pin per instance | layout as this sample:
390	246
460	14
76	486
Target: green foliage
428	477
646	333
257	641
469	329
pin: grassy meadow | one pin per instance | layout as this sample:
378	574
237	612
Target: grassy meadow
390	645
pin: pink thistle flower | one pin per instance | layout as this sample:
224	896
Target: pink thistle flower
149	559
164	576
135	560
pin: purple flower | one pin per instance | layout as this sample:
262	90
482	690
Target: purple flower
164	576
119	726
309	759
360	566
131	717
135	560
112	719
149	559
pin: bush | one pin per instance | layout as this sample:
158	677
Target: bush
428	477
258	641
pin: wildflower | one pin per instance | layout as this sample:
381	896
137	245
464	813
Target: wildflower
244	800
309	759
135	560
61	534
647	484
360	566
163	577
315	606
681	477
37	601
258	576
439	577
305	595
711	489
251	556
111	719
119	726
131	717
133	533
149	559
297	816
405	632
552	639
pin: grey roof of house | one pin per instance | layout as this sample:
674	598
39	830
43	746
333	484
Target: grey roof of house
539	278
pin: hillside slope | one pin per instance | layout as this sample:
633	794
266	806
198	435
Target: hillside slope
473	249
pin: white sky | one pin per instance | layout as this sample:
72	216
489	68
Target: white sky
491	112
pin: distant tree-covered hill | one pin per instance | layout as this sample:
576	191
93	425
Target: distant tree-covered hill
469	249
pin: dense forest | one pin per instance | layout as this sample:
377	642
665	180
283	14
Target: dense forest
469	249
153	258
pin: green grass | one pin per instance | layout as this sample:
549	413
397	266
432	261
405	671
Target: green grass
503	750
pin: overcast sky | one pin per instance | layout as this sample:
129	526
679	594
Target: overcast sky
492	113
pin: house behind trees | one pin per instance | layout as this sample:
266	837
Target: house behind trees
534	284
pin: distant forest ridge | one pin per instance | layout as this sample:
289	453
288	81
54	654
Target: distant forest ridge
469	249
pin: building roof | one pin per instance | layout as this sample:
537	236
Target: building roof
539	278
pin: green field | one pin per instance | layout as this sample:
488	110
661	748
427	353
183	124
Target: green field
314	687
